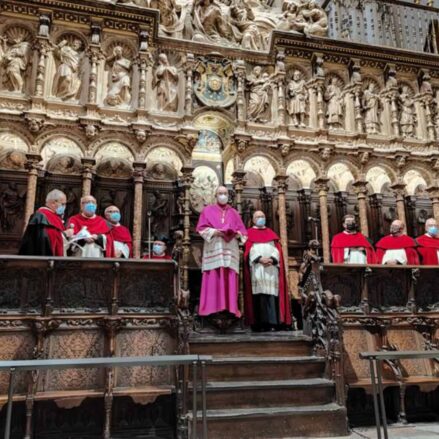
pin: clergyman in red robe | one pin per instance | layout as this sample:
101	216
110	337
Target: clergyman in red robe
158	251
351	246
122	240
266	298
428	244
45	233
397	248
92	237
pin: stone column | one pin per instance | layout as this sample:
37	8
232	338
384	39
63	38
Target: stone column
281	180
44	49
87	175
190	62
321	184
433	191
32	166
138	177
399	191
360	187
240	93
186	182
145	64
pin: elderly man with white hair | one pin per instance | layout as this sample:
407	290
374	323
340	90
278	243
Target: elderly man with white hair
123	242
92	237
428	243
45	233
221	228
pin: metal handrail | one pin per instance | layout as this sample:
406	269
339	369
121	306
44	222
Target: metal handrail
375	358
82	363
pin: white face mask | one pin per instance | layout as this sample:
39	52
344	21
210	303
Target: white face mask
222	199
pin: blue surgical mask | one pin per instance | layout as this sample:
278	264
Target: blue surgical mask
260	222
60	210
223	199
90	208
115	216
157	249
433	231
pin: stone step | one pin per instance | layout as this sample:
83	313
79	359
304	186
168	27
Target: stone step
240	345
252	394
265	368
324	420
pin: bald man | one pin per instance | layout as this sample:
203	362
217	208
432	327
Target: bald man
92	238
221	228
428	244
122	240
266	299
397	248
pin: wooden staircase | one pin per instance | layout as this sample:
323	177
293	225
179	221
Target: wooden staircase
267	386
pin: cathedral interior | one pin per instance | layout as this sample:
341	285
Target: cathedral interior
307	110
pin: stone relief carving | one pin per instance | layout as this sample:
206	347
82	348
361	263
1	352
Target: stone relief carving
69	53
203	188
297	99
259	101
114	168
371	108
161	171
64	164
160	212
407	112
334	103
119	89
13	159
15	55
166	84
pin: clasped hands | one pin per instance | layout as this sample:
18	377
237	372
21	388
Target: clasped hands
266	262
221	234
92	239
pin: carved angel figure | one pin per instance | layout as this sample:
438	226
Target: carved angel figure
259	99
15	54
317	20
119	92
67	80
166	83
407	117
334	109
371	107
297	95
242	17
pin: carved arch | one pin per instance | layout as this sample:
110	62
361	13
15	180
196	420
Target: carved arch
341	175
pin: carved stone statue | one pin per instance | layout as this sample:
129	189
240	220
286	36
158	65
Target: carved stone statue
166	83
248	209
67	80
173	16
425	86
297	95
407	117
371	107
64	165
72	201
210	23
11	206
119	92
114	168
334	109
15	53
317	20
258	109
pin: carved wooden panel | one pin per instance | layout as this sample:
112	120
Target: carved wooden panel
143	342
347	284
357	340
21	289
150	290
427	291
13	186
78	342
15	345
90	291
409	340
388	289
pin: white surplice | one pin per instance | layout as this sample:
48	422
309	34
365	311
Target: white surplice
398	255
265	280
354	256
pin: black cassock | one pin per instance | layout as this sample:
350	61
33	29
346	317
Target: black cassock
39	236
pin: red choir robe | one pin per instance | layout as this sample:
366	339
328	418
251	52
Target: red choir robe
96	226
43	235
428	248
122	234
402	242
264	236
350	240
